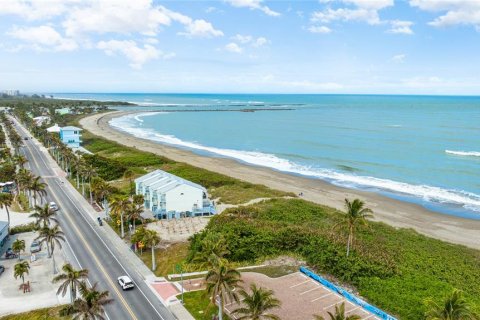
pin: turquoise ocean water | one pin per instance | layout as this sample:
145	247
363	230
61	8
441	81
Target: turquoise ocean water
422	149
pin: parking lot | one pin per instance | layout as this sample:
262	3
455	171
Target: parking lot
301	297
43	291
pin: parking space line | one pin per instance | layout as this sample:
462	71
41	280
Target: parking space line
336	303
299	284
324	296
309	291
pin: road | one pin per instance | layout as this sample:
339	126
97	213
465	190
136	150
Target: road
90	250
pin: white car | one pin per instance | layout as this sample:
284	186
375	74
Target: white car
125	283
53	206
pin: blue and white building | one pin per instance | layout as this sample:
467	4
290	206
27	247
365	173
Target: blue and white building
71	136
3	232
169	196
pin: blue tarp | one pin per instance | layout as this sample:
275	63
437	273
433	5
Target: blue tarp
347	295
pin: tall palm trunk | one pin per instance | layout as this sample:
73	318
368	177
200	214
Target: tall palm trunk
153	259
8	217
121	225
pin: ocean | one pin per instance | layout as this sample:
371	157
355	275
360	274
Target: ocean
421	149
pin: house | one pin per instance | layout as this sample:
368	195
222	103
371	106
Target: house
3	232
62	111
7	187
70	136
39	121
169	196
54	129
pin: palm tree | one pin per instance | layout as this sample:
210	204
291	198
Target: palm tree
71	279
51	236
129	175
213	248
6	200
339	314
44	216
18	246
257	304
134	210
454	307
151	239
91	304
20	270
20	160
89	173
119	204
37	187
221	283
356	213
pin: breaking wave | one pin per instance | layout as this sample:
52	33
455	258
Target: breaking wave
464	153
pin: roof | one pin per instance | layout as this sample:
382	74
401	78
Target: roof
54	128
125	279
71	128
163	181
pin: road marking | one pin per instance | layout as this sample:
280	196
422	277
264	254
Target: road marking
309	290
299	284
321	297
334	304
100	238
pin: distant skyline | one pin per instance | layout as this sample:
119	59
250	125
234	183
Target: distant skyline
241	46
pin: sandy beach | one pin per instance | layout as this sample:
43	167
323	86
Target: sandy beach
393	212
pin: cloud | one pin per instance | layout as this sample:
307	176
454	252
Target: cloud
253	5
248	39
35	9
201	28
43	38
137	55
399	58
457	12
311	86
319	29
233	47
400	27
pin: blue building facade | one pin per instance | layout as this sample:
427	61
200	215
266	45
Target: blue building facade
71	136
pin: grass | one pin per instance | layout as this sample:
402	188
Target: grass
198	304
39	314
166	259
273	271
227	189
395	269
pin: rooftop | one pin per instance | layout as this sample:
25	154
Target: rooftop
71	128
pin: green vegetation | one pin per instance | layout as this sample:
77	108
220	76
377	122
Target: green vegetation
24	228
395	269
166	259
198	304
40	314
273	271
112	159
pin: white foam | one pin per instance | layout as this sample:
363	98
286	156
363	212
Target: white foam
468	200
464	153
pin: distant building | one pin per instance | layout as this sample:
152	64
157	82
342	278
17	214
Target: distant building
169	196
54	129
39	121
3	232
12	93
7	187
63	111
70	136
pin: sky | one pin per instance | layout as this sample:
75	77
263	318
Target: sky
241	46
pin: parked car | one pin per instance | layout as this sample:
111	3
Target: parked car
10	254
35	247
2	269
25	138
53	206
125	283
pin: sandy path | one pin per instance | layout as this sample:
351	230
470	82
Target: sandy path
393	212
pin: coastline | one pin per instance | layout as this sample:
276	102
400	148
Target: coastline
390	211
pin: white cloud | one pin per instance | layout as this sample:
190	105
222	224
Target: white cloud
457	12
253	5
242	38
137	55
311	86
319	29
43	38
261	41
400	27
35	9
345	14
399	58
201	28
233	47
248	39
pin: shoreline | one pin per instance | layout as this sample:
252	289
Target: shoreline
390	211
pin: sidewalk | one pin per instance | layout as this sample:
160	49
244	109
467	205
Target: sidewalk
112	239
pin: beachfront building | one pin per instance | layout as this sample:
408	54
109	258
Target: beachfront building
169	196
54	129
3	232
70	136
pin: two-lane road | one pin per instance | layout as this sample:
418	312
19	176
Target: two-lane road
90	249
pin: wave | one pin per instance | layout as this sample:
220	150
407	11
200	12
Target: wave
464	153
467	200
